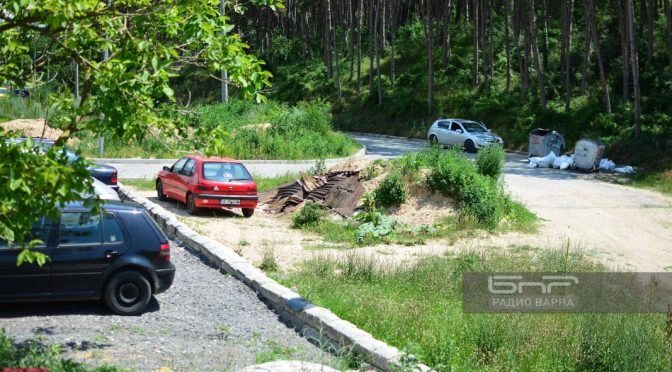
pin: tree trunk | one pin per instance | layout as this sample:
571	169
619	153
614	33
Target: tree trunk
371	56
650	14
592	22
445	42
567	41
623	25
430	60
393	40
377	40
351	41
668	15
360	20
535	50
634	60
586	61
483	11
474	32
327	41
507	46
337	58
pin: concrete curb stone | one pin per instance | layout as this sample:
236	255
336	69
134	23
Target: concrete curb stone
314	322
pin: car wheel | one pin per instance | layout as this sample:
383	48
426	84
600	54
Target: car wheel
248	212
128	293
191	205
433	140
159	191
470	146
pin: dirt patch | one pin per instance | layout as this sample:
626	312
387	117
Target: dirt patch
423	208
32	128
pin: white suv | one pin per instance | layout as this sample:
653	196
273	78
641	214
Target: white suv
471	135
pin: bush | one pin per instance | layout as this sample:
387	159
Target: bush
456	177
490	161
391	192
310	214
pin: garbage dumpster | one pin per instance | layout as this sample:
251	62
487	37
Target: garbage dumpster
587	154
543	141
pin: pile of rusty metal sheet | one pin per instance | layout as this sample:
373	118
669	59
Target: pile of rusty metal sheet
338	190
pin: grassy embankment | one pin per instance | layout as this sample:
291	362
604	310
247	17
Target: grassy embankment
264	131
418	307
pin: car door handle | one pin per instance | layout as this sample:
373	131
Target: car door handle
111	253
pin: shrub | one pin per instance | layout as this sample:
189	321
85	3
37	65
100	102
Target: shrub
310	214
490	161
391	192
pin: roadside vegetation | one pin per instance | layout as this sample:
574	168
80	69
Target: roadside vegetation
34	354
248	131
417	307
657	181
477	188
263	183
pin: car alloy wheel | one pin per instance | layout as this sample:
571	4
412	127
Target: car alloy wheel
469	146
128	293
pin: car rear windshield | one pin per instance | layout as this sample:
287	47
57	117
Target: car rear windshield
473	127
219	171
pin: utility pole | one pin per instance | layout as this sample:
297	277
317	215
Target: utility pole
225	76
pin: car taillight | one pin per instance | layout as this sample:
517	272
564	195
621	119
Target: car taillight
204	187
252	188
165	252
114	177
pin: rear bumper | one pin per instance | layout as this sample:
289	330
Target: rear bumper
225	201
164	278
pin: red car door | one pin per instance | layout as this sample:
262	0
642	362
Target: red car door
170	180
183	181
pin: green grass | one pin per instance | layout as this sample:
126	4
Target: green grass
274	351
3	119
267	183
418	308
144	184
657	181
21	108
34	353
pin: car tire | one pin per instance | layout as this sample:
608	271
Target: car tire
128	293
191	205
470	146
248	212
159	191
433	140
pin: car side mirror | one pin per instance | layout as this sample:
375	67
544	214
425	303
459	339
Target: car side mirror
459	130
166	168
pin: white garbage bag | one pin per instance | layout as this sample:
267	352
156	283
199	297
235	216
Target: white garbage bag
607	165
534	161
547	161
626	169
563	162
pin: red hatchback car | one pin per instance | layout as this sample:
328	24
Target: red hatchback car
201	182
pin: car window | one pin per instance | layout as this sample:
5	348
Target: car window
473	127
177	167
455	126
80	228
38	231
444	125
189	166
225	172
111	229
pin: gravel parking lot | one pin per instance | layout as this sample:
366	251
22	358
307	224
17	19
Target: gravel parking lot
206	321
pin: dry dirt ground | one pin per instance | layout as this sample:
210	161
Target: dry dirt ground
623	227
31	128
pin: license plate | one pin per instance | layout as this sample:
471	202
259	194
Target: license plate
229	202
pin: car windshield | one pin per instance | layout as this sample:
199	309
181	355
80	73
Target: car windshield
473	127
220	171
3	90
